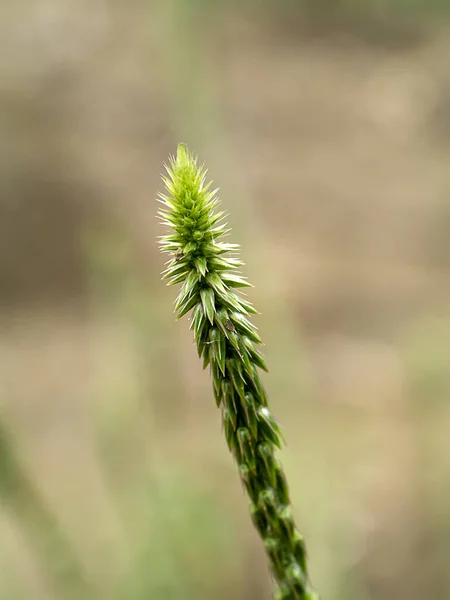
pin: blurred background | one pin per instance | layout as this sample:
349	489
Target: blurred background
326	124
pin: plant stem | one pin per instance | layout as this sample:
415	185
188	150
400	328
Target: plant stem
228	342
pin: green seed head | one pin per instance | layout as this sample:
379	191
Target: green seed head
229	344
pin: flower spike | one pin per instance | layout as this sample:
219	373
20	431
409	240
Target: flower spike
228	342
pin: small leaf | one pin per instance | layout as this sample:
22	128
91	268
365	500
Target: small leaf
267	501
217	397
248	480
244	440
233	338
201	328
201	265
267	434
229	299
188	290
175	269
234	374
178	278
228	426
197	318
258	359
216	283
237	366
185	308
217	341
235	281
249	349
245	326
228	401
248	406
201	345
209	250
222	352
217	379
266	454
224	264
296	577
286	521
300	550
222	320
219	231
259	391
190	247
247	307
222	248
207	296
265	418
192	279
246	360
284	592
206	355
281	484
229	396
259	520
272	547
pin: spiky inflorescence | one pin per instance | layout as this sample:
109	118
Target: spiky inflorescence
228	341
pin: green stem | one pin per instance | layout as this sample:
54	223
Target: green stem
228	342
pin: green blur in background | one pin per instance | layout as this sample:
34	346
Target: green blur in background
326	125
